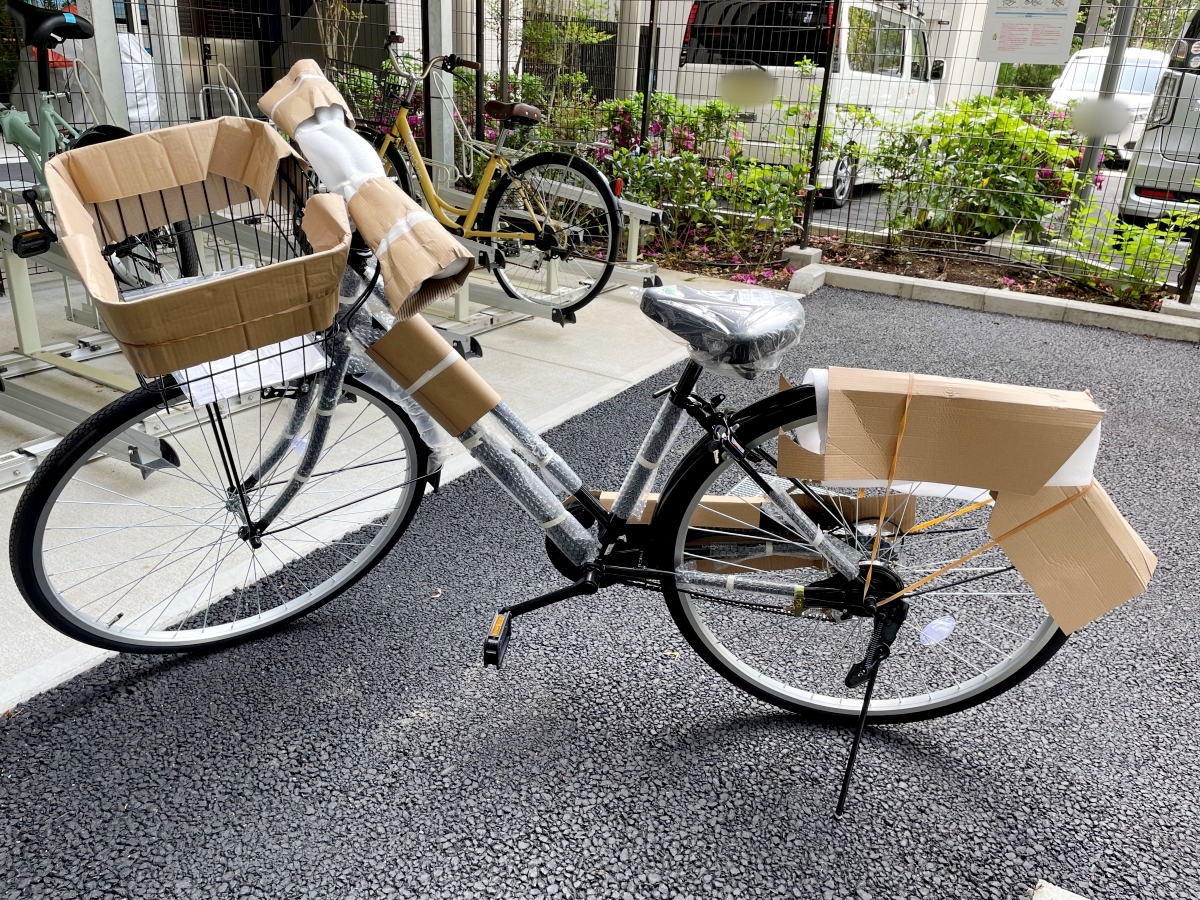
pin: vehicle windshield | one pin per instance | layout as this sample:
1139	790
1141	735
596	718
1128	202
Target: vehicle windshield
754	32
1138	76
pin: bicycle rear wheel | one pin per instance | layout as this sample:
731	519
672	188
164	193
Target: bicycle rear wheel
574	221
970	635
128	550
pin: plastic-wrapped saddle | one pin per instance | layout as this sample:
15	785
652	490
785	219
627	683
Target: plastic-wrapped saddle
741	333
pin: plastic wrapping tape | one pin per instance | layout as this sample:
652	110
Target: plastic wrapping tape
554	471
639	480
741	333
485	442
422	363
303	89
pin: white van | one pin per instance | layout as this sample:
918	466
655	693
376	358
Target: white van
1165	169
880	62
1140	71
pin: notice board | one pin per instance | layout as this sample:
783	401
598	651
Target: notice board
1028	31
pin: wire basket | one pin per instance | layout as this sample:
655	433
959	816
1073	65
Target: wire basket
374	96
226	232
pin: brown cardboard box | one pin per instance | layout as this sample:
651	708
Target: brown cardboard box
104	192
994	436
1082	560
303	89
420	361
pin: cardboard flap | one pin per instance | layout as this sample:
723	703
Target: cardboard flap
325	222
295	96
246	150
1082	560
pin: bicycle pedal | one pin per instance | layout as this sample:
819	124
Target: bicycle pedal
495	645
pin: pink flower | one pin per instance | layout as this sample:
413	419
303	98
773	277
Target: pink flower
735	258
1098	180
729	176
768	273
656	127
788	270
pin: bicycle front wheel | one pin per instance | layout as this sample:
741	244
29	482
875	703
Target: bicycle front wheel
970	635
571	225
135	551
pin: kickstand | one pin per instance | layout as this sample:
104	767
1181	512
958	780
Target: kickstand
858	733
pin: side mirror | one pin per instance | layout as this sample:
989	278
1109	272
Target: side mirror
1056	82
938	70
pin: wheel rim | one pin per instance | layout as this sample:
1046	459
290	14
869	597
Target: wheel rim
841	179
573	259
156	563
801	662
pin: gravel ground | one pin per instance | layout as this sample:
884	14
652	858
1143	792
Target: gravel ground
364	752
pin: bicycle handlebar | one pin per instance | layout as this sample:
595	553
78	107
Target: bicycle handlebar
455	62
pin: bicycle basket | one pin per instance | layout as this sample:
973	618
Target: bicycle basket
374	96
205	253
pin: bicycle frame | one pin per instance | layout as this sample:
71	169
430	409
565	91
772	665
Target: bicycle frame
40	145
447	214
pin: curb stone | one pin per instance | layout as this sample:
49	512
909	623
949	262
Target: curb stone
1012	303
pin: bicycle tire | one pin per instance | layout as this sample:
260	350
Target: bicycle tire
36	505
609	229
741	664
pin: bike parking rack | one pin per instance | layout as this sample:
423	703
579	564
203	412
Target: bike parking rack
36	407
500	309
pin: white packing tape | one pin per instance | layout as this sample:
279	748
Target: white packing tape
401	228
433	373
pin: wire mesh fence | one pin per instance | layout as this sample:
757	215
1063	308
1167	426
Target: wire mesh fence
931	161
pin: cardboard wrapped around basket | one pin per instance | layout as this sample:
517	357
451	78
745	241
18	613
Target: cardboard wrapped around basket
1033	449
107	191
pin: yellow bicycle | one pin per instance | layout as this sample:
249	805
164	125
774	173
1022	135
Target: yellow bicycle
552	214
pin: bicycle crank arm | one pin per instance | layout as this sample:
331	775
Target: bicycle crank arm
495	645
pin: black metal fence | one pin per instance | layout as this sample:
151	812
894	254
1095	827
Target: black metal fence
932	161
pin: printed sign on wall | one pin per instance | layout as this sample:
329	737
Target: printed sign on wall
1028	31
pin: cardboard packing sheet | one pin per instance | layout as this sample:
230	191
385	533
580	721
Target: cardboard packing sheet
420	360
421	263
972	433
107	191
303	89
1081	560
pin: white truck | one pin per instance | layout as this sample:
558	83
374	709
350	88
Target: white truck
880	63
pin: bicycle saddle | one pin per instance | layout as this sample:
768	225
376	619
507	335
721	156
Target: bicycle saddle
737	332
518	113
48	27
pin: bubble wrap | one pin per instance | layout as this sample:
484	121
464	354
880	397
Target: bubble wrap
641	475
364	331
739	333
487	443
555	472
783	508
751	583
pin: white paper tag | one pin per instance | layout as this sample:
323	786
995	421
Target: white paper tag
252	371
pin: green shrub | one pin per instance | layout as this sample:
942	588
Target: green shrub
979	168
